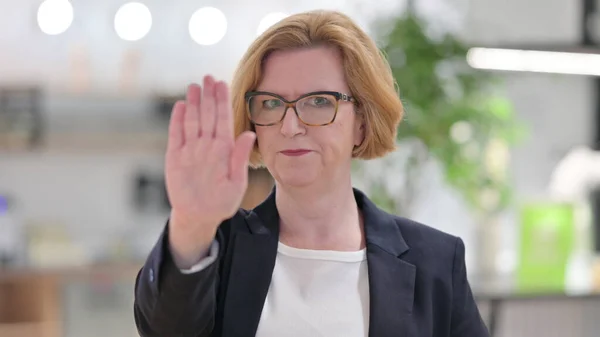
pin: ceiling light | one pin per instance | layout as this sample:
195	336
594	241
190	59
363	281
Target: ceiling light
55	16
133	21
207	26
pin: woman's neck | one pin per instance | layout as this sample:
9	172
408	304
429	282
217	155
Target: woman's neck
320	217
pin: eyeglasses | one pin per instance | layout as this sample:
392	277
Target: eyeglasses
317	108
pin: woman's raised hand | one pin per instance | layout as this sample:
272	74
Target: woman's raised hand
206	168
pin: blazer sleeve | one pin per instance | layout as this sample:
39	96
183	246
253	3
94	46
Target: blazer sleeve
169	302
466	319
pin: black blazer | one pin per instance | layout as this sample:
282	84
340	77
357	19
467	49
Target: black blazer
417	281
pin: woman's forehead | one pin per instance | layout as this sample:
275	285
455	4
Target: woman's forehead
296	72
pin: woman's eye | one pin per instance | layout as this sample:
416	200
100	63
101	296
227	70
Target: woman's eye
320	101
271	103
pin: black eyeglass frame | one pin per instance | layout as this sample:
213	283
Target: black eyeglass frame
292	104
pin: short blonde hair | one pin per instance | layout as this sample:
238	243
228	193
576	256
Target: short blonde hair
367	73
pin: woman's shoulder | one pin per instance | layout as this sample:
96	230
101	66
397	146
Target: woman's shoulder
416	231
418	237
427	242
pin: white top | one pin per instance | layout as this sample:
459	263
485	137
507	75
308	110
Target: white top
316	293
313	293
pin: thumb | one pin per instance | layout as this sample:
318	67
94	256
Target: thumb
240	156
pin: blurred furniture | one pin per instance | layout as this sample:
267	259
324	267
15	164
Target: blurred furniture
42	303
544	314
29	306
163	105
21	123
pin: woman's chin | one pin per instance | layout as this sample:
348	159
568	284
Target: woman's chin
296	177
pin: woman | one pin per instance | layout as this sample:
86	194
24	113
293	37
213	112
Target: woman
316	258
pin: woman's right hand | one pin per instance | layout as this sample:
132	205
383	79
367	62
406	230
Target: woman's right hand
206	169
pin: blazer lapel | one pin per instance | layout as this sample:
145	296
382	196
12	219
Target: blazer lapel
391	286
391	279
251	271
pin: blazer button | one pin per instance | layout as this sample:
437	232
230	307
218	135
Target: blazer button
151	275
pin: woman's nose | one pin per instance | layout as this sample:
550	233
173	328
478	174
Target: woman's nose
291	125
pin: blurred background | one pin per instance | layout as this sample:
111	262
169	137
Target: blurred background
499	146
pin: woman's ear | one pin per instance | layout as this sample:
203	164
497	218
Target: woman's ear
359	128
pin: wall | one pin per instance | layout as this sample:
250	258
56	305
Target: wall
91	195
557	109
169	58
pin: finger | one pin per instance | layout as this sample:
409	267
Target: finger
176	136
208	109
240	156
224	123
191	120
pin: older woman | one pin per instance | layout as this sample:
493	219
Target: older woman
317	257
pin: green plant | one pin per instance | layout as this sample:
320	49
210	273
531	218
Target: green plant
453	116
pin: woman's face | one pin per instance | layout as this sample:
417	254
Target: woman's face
297	154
